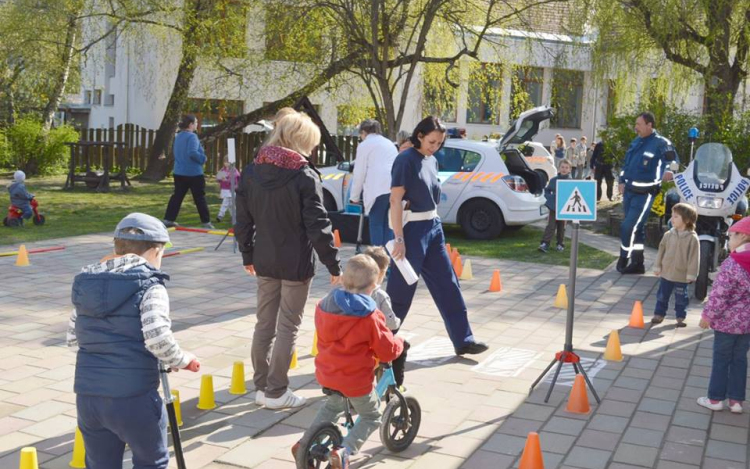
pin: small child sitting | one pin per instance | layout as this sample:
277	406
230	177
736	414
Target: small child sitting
381	257
677	263
19	196
550	192
224	176
728	314
352	334
122	329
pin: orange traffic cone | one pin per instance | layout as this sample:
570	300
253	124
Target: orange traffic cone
23	257
578	402
532	453
453	255
336	238
613	353
457	266
636	317
448	248
496	285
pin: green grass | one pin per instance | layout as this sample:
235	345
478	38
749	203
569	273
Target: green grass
521	245
81	211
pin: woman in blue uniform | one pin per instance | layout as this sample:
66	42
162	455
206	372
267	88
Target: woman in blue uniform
415	193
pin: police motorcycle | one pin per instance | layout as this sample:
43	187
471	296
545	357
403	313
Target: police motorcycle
714	186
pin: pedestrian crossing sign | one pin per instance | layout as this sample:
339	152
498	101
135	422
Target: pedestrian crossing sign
576	200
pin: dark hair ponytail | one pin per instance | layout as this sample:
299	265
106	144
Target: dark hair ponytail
186	120
427	125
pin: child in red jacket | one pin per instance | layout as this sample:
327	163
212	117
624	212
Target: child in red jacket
352	334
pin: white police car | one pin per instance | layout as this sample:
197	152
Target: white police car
486	187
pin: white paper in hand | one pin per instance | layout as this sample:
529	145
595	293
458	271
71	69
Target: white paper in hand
407	271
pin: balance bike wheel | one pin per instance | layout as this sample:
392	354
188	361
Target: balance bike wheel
400	425
313	451
14	222
39	220
5	221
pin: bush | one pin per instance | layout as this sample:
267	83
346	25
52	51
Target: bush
24	146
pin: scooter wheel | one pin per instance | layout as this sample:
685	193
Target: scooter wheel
39	220
313	451
14	222
400	424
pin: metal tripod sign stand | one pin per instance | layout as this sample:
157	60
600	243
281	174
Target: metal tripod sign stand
576	201
173	424
231	156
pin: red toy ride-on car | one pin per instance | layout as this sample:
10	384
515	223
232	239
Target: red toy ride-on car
15	215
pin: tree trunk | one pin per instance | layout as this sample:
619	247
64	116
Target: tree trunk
720	90
62	80
159	160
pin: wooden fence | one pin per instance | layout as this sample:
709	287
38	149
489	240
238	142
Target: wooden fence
138	141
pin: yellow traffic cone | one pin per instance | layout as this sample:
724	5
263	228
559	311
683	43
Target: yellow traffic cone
613	353
206	399
562	297
314	351
28	458
177	408
23	257
466	273
238	379
79	452
293	365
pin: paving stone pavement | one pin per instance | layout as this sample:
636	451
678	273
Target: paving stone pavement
473	418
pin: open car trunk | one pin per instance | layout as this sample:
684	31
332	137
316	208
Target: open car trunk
518	166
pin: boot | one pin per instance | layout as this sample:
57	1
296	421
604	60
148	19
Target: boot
636	264
622	262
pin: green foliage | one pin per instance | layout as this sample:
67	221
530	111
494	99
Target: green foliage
674	124
440	96
25	146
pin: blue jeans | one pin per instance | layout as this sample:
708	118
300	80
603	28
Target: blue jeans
681	298
27	211
380	233
729	369
107	424
633	226
425	251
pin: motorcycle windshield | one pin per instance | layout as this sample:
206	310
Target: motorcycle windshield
713	166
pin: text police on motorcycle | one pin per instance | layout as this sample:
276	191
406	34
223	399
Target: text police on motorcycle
645	167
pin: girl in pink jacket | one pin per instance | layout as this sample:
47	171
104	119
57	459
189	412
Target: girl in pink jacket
728	314
224	176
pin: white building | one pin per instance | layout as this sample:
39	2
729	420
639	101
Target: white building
128	80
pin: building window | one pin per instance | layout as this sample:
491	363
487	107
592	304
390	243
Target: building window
109	100
87	97
212	112
440	98
567	99
526	90
97	96
111	122
485	89
289	34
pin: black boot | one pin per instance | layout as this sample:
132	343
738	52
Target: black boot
622	262
636	264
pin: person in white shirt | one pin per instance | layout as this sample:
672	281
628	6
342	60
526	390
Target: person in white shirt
371	181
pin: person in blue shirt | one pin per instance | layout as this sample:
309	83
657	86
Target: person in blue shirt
646	165
419	237
189	159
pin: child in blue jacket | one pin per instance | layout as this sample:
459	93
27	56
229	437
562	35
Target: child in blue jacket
563	172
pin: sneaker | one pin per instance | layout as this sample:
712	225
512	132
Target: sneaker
709	404
286	401
657	320
735	407
560	248
544	247
260	398
472	348
339	458
295	449
680	323
169	224
208	226
218	220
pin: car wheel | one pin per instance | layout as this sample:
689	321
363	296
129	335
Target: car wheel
543	174
481	219
329	202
